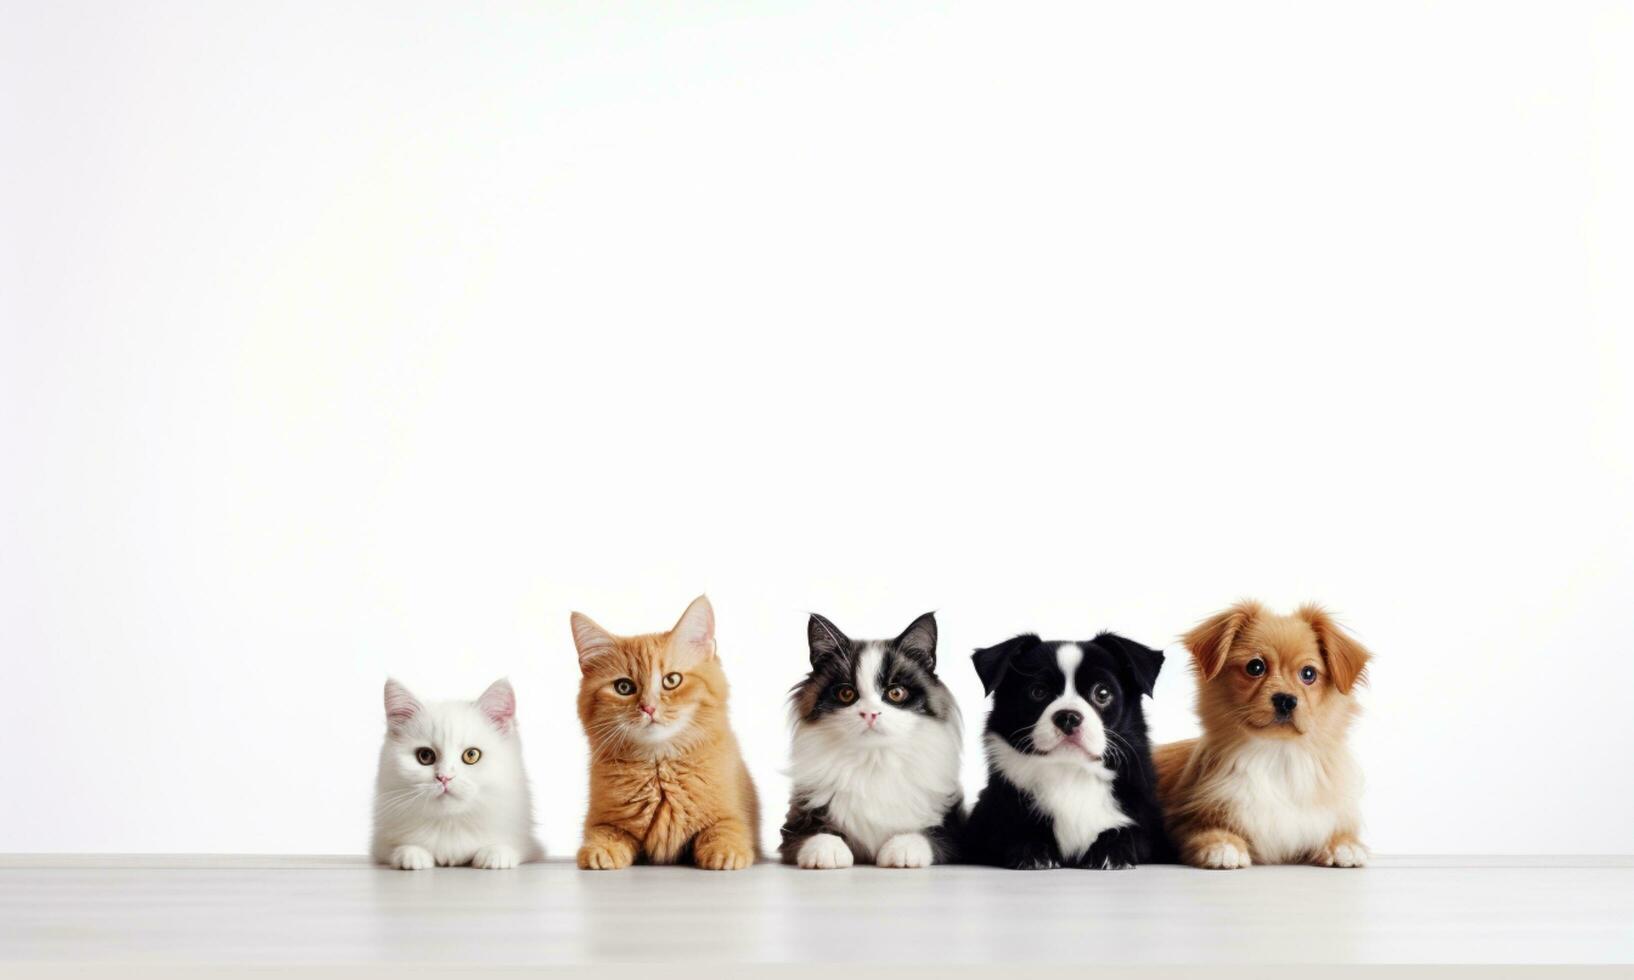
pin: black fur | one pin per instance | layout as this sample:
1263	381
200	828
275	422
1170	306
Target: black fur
1024	677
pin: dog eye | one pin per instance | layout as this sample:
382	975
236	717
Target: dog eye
845	694
896	694
624	686
470	756
672	681
1102	695
1038	693
1308	674
1255	667
425	756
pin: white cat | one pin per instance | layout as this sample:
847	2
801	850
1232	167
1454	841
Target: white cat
451	788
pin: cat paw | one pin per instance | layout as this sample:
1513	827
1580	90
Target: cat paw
905	851
411	858
823	852
723	857
497	857
1344	854
598	857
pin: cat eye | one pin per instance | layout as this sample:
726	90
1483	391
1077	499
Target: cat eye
425	756
1255	667
672	681
1101	696
1039	692
470	756
1307	674
624	686
845	694
896	694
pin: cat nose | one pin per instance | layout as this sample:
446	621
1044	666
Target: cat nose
648	709
870	717
445	780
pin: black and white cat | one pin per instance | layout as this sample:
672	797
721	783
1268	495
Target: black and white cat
875	760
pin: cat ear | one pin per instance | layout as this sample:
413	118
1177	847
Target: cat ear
401	706
499	704
992	662
919	640
694	632
825	639
1141	662
591	640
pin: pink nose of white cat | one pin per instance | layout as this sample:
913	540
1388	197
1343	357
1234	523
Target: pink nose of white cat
870	717
649	709
445	780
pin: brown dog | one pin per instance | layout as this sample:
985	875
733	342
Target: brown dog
1271	779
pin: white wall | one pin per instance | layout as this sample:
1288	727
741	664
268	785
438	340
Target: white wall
376	337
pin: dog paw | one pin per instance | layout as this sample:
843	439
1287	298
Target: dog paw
410	857
599	857
1345	854
1224	855
496	857
823	852
905	851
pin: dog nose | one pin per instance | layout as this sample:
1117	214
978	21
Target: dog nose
1284	703
1067	721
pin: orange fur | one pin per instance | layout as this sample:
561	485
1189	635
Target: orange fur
1252	790
653	797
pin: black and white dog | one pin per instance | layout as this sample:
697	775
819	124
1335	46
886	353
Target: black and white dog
1070	778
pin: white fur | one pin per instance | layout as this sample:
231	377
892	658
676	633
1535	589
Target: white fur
1275	790
1225	856
1066	786
823	852
485	818
1352	855
898	778
905	851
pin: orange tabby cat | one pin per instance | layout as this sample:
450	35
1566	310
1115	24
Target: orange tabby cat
666	776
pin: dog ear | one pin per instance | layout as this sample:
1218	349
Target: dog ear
919	641
825	639
1141	662
1210	641
992	662
1347	659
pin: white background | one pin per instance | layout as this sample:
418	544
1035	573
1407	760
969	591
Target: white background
356	339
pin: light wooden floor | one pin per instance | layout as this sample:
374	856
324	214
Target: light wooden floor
76	912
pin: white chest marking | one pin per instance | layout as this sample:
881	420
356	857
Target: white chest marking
1075	794
1275	791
